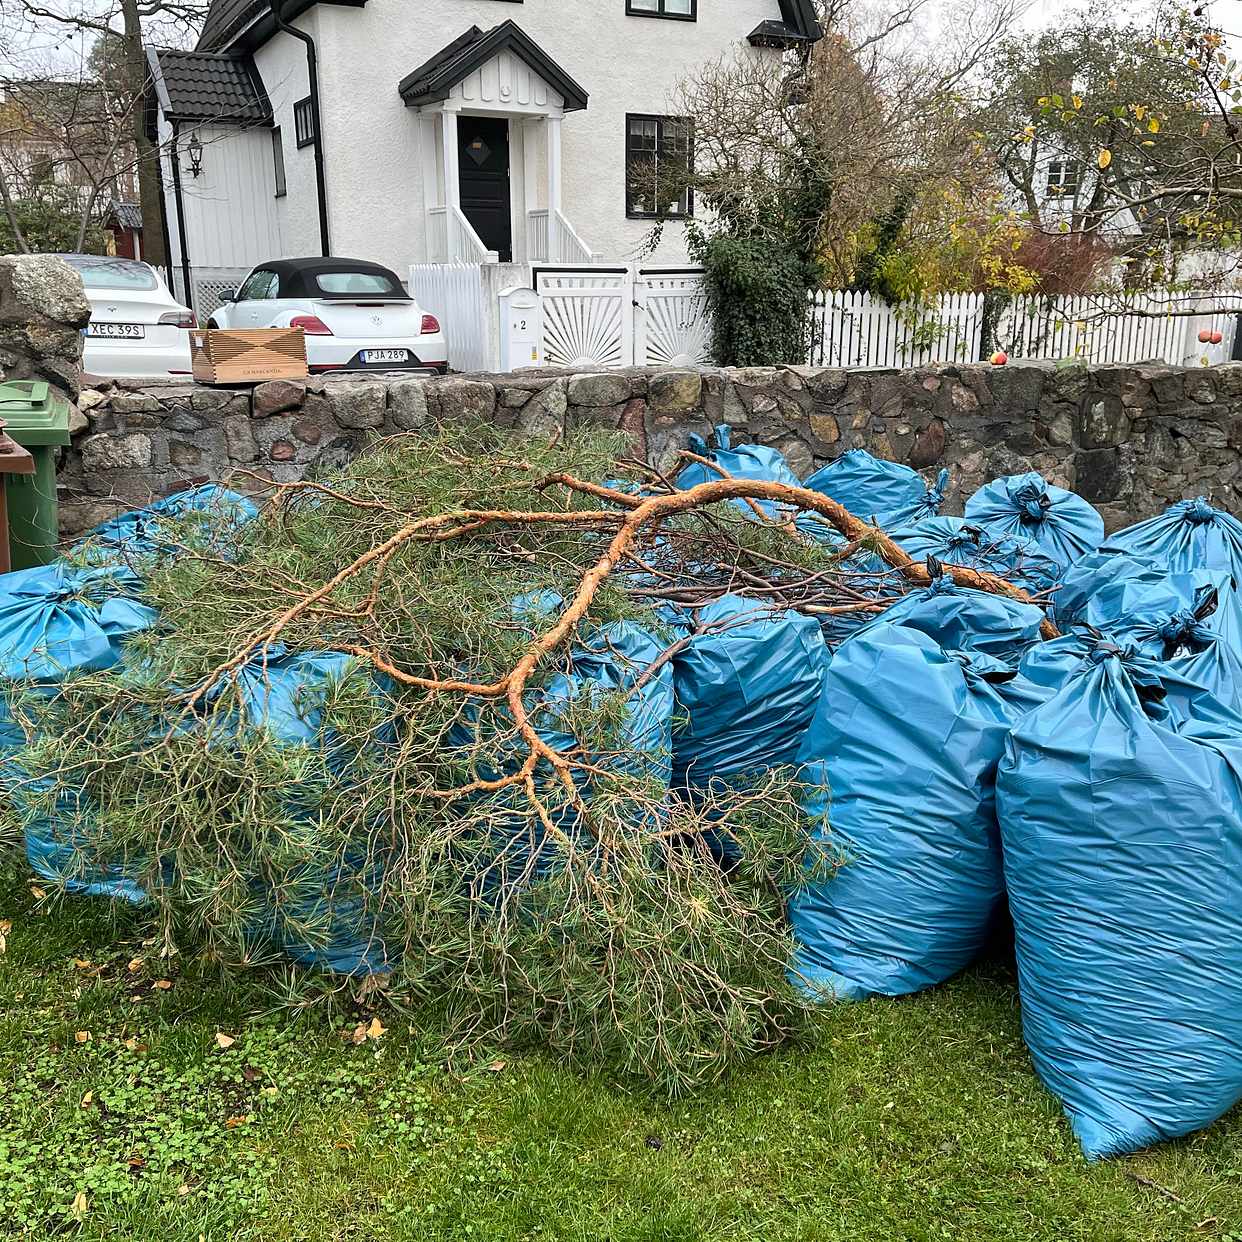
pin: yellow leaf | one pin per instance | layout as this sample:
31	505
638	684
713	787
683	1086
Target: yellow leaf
1105	158
81	963
81	1037
162	984
376	1029
80	1206
85	1102
1153	125
233	1122
135	965
225	1041
1140	110
37	893
183	1189
6	926
1076	100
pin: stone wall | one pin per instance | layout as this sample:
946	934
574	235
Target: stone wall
1129	438
42	312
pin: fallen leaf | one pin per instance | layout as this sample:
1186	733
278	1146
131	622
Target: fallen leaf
136	1162
132	1044
359	1034
376	1029
81	1037
37	892
135	965
81	963
87	1098
250	1073
225	1041
80	1204
6	926
240	1119
183	1189
495	1067
162	984
271	1092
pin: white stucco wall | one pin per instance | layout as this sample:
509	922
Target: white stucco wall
282	66
625	64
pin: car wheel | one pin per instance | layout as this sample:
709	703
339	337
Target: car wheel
213	326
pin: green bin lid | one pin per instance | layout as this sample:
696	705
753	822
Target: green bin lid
33	414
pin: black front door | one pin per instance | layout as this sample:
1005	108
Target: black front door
483	159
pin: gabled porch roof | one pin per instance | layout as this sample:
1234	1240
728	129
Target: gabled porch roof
435	78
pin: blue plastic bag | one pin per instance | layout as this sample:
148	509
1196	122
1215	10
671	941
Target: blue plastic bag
962	619
954	541
913	735
146	531
1097	572
285	695
883	492
1189	535
747	461
1063	525
746	691
1120	805
56	621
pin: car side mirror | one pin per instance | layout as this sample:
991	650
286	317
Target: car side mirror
228	295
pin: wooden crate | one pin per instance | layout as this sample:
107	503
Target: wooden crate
247	355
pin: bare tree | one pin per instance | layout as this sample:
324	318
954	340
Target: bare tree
127	25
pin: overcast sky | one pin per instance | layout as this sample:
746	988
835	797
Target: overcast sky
50	42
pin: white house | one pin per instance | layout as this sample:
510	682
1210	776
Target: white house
428	131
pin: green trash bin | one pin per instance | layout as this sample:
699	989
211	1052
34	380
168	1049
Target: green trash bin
38	419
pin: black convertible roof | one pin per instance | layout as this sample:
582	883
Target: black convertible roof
297	276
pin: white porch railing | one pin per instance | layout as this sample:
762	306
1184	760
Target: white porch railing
552	239
451	238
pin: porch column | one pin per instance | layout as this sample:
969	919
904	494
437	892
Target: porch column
452	179
554	165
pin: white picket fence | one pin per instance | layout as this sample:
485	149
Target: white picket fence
857	330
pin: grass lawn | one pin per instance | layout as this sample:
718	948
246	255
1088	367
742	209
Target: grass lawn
122	1117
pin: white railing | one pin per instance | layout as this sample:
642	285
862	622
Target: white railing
437	234
451	238
537	235
552	239
856	330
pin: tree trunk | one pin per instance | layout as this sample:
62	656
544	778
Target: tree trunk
149	195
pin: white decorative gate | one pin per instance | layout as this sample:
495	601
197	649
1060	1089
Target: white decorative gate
620	316
671	326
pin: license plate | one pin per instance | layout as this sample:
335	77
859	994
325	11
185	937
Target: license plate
125	331
385	355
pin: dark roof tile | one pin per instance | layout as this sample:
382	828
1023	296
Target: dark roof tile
205	86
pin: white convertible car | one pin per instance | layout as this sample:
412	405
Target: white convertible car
137	327
356	316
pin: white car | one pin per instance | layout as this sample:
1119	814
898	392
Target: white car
356	316
137	327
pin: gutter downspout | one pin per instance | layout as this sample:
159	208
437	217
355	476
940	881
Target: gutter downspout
182	244
312	76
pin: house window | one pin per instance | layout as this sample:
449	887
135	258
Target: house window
278	162
658	163
1064	177
682	10
304	122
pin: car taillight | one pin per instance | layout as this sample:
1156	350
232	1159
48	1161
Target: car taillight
180	319
312	325
430	324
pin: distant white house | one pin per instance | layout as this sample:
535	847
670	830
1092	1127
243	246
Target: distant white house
444	130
